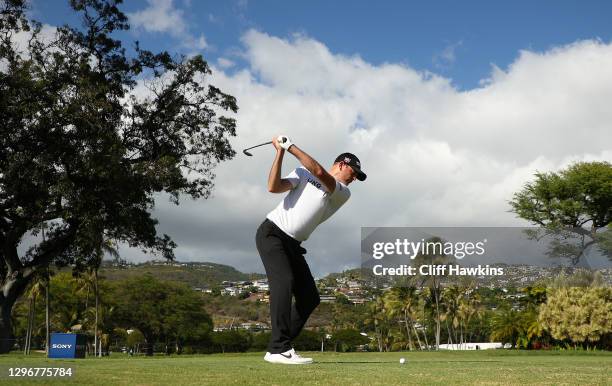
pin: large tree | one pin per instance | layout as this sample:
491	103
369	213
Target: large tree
576	201
81	153
162	311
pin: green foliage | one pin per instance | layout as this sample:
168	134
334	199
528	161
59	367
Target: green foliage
348	339
580	278
572	197
230	307
80	152
173	314
342	299
308	341
506	326
260	341
231	340
578	201
534	295
581	315
194	274
134	338
162	310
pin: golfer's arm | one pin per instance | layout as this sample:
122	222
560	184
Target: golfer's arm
276	184
314	167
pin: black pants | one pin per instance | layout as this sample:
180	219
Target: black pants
288	274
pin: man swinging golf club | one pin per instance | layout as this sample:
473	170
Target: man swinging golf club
314	195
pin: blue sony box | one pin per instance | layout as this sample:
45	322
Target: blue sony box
67	345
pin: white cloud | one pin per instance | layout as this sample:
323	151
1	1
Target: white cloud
225	63
435	156
162	16
447	56
159	16
21	39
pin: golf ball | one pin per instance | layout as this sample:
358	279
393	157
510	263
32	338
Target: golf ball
402	361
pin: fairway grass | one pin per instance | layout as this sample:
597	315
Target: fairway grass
447	367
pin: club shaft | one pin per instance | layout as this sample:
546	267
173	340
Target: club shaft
261	144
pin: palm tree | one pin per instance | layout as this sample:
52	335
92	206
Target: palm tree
37	287
473	309
506	325
85	284
434	282
433	303
532	329
403	301
422	310
451	299
103	315
44	226
88	281
103	246
377	317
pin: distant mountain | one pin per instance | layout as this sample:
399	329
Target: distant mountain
195	274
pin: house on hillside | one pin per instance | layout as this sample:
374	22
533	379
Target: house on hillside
231	291
261	285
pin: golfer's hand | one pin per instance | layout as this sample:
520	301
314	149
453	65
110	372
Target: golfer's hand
284	142
277	145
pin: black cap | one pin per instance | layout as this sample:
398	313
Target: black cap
351	160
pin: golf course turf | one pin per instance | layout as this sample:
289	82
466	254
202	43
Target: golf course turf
446	367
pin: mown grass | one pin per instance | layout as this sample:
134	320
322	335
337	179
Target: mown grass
469	368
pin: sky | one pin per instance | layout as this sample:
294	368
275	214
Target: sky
451	107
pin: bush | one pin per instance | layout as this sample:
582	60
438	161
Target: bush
260	341
231	341
307	341
348	339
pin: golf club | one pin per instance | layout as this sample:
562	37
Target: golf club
252	147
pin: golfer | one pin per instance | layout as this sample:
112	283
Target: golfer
314	195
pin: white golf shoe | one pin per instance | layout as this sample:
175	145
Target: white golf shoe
289	357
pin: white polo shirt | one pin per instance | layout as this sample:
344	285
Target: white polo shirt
307	205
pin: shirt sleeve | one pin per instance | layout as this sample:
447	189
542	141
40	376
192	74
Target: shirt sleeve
294	177
340	195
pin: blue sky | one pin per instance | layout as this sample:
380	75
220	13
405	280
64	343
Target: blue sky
400	84
456	39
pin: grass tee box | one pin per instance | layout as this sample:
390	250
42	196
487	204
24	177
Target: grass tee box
490	367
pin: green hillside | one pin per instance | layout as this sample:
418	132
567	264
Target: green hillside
194	274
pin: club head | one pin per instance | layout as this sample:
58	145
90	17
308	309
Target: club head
247	153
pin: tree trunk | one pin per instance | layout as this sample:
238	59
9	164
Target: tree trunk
410	344
13	286
17	276
28	338
150	349
47	285
425	338
96	325
6	328
437	318
416	333
47	324
379	338
450	337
